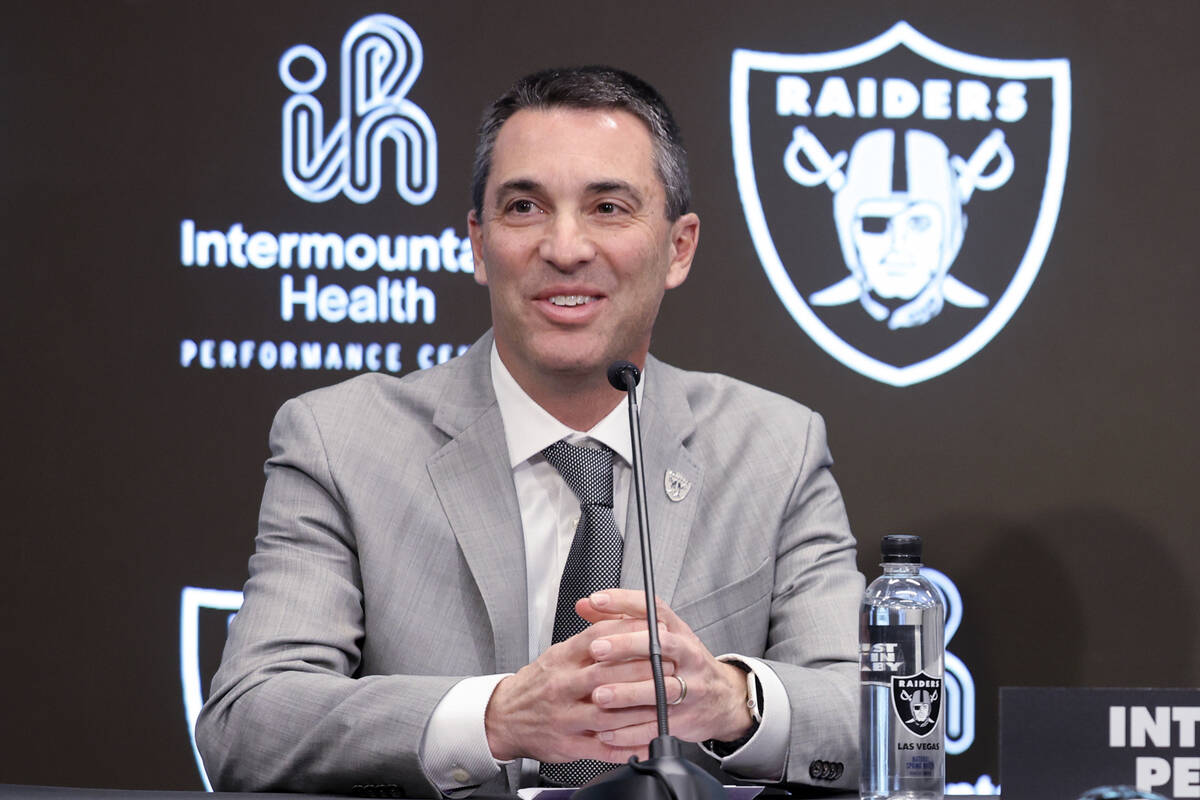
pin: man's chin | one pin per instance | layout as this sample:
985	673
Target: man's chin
579	368
581	354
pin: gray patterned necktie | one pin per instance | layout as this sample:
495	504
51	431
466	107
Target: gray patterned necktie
594	563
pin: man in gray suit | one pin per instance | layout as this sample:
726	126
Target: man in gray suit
396	635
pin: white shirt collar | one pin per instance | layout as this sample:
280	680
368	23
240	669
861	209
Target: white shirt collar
529	428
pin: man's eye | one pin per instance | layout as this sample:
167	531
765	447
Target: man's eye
522	208
607	208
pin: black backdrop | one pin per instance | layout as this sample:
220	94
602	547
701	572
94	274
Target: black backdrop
1052	474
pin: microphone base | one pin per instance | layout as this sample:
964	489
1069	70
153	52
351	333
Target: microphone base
666	775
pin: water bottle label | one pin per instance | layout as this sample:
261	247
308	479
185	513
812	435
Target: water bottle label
917	701
890	651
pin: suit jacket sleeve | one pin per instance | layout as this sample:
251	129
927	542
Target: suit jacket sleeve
813	639
289	708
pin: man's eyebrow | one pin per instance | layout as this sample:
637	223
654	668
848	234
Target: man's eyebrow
528	185
516	186
606	187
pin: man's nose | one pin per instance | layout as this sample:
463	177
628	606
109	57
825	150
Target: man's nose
568	244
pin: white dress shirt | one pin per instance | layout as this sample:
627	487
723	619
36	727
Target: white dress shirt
454	751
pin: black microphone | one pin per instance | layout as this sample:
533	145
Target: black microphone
620	373
666	775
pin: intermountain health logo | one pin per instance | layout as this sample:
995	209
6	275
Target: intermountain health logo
381	57
859	171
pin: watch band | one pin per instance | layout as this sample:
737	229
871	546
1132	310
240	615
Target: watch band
754	702
754	697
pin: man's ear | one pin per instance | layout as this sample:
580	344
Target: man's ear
685	237
475	231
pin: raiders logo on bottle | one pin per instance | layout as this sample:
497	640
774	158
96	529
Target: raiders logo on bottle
917	701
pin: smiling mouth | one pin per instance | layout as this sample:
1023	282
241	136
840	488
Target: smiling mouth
570	300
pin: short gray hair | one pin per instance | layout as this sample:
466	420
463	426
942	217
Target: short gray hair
592	87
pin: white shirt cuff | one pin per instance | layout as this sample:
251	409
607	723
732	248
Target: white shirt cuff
764	756
454	750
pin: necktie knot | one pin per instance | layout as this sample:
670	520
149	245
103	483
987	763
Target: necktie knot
588	471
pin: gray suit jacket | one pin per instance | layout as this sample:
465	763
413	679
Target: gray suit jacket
389	564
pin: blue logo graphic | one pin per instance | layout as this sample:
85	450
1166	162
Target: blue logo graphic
381	58
959	707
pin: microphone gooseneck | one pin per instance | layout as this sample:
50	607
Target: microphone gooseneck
625	376
666	775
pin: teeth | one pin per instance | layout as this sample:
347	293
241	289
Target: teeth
570	299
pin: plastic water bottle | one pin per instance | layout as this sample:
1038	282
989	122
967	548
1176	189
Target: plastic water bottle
901	646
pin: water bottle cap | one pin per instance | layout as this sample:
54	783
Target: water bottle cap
901	548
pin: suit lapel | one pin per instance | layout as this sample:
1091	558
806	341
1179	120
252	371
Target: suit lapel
474	484
667	424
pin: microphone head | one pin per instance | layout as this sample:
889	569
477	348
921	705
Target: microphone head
616	375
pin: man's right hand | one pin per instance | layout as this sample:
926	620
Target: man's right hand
546	710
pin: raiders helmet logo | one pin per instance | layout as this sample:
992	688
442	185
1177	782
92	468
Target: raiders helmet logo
917	702
859	171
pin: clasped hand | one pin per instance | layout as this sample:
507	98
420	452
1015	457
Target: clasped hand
592	696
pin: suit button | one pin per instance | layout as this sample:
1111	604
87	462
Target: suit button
460	775
825	770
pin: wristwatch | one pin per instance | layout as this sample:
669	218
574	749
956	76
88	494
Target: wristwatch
754	694
754	702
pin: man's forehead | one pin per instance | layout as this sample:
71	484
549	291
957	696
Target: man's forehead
611	143
603	117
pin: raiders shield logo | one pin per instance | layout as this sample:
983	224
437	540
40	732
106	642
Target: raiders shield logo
859	170
917	702
204	616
